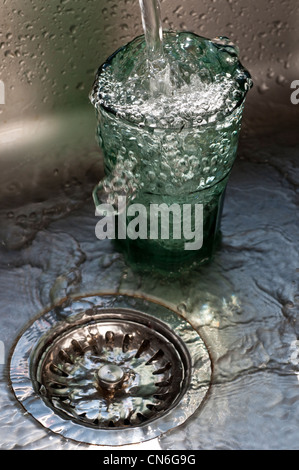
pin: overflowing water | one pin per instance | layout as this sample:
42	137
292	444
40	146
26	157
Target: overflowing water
171	80
196	81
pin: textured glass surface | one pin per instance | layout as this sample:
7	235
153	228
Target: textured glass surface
177	146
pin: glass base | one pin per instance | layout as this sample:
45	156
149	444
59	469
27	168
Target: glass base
171	256
141	256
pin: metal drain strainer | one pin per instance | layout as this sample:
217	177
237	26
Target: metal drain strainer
101	371
113	371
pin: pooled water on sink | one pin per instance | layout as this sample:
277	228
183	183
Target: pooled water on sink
245	306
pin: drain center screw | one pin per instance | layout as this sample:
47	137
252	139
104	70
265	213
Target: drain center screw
110	376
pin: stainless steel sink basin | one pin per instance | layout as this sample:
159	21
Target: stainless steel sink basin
244	305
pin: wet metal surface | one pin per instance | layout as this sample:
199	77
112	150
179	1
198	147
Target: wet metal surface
245	305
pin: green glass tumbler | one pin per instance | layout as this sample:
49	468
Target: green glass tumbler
170	180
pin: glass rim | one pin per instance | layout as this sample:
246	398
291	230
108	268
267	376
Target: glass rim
111	111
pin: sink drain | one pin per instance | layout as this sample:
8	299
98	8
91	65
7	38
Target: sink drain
117	369
110	370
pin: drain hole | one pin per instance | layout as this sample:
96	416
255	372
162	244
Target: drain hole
151	407
143	347
159	354
77	347
64	356
56	386
109	337
163	397
127	342
57	371
163	369
142	418
93	344
165	383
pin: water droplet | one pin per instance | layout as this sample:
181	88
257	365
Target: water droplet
263	88
9	53
280	80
